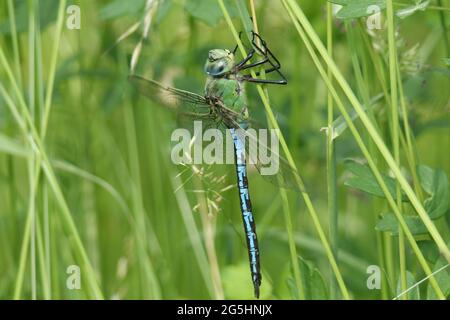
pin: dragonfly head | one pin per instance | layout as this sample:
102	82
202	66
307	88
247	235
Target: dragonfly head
219	62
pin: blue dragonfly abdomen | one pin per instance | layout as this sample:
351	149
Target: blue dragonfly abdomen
246	210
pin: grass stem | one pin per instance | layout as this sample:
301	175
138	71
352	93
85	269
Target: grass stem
395	132
331	159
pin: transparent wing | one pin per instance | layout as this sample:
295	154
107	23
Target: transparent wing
262	151
187	103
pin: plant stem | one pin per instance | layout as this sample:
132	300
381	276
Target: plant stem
440	7
52	70
395	134
15	42
444	29
208	224
408	143
31	160
47	240
384	258
23	257
331	160
42	262
46	270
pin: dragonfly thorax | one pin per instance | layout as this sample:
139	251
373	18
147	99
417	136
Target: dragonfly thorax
227	94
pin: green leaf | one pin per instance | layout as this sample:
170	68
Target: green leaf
312	280
430	250
364	180
442	277
429	87
119	8
209	11
356	9
447	62
389	223
435	183
413	294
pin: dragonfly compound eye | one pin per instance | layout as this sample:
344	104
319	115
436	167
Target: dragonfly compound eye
220	67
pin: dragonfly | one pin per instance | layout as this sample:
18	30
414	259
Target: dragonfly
224	105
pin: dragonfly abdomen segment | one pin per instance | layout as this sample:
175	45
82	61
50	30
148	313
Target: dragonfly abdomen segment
247	213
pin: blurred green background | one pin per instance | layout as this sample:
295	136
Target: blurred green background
145	228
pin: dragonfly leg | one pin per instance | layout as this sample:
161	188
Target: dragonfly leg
275	67
252	65
242	63
242	66
264	81
269	58
265	50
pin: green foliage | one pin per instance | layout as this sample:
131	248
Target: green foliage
442	277
429	250
389	223
209	11
435	183
119	8
314	285
357	9
413	294
364	180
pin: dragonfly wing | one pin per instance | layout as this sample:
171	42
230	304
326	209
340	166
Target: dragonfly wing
180	101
